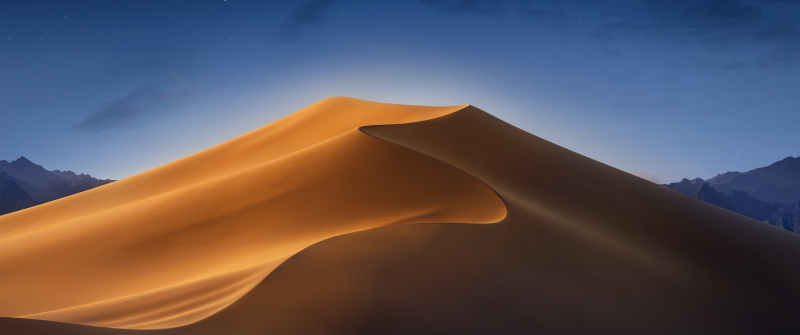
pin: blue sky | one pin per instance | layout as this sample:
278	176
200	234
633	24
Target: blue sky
664	89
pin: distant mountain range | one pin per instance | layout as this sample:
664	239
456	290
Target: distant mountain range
25	184
769	194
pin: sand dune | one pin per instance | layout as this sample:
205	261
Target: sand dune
127	256
580	247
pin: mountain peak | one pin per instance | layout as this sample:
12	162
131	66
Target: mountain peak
13	197
707	188
24	162
710	195
686	186
31	173
22	159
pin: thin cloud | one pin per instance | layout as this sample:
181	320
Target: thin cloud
180	78
717	24
134	106
306	15
480	7
494	7
312	13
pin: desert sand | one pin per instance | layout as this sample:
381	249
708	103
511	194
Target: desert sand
359	217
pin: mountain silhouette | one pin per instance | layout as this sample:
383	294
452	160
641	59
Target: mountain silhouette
43	185
770	194
13	198
779	182
33	174
23	185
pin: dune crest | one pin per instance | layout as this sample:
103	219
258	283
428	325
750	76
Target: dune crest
176	244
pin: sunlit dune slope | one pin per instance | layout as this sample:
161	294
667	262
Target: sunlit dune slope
583	249
175	244
314	124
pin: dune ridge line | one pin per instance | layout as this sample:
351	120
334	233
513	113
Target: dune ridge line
388	184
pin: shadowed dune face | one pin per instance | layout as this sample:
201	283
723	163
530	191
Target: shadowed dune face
585	248
175	257
582	248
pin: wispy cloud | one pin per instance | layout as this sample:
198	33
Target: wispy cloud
718	24
494	7
304	16
480	7
122	112
312	13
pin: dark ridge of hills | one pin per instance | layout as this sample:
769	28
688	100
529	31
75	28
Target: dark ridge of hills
779	182
739	202
67	174
31	173
42	185
784	173
23	185
686	186
770	194
786	216
711	196
790	222
79	184
14	198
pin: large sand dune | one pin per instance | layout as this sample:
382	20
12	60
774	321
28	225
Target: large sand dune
272	233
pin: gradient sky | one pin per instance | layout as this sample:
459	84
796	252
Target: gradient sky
661	88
